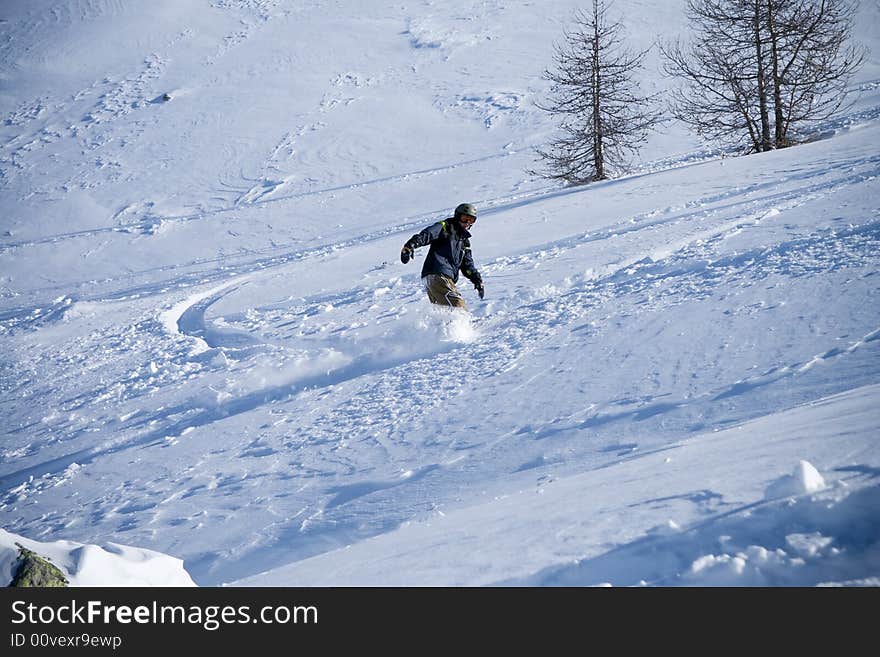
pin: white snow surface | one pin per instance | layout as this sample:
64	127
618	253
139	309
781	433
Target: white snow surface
211	350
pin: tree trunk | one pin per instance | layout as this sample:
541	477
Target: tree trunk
779	113
598	158
765	144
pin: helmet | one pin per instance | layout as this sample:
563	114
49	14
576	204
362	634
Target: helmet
466	208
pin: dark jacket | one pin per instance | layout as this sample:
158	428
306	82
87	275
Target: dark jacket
450	251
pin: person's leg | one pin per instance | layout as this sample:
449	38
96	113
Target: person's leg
443	292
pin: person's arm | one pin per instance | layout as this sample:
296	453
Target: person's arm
420	239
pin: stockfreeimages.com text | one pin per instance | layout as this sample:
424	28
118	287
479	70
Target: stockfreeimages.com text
211	617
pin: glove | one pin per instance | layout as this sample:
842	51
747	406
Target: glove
406	253
477	280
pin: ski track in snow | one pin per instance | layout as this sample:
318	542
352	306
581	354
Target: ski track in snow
193	317
868	168
256	196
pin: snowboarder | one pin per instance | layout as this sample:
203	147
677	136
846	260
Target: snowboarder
450	253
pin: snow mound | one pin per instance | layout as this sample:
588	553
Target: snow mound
805	479
828	538
93	565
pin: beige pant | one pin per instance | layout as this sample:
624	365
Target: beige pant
442	291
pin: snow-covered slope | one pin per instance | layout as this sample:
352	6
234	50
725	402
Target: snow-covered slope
211	350
666	531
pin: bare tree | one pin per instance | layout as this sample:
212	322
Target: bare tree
812	59
750	55
725	70
603	119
